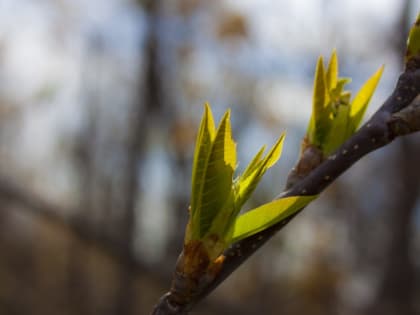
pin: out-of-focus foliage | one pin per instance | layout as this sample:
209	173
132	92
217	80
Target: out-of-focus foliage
232	25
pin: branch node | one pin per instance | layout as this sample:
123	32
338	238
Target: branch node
407	120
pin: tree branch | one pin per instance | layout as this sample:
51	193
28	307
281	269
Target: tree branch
30	202
398	116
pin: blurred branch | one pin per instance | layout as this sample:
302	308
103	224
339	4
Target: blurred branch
43	210
29	202
398	116
144	106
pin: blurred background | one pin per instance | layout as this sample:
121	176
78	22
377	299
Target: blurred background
99	105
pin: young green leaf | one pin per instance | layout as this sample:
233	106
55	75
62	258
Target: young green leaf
273	156
216	199
202	152
221	225
319	122
361	100
339	127
217	175
332	71
333	118
413	42
247	184
344	98
253	164
267	215
243	187
337	92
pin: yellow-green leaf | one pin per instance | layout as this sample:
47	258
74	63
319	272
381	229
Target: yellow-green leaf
217	175
361	100
345	98
319	123
253	164
339	130
267	215
337	92
223	220
332	71
244	186
247	184
202	152
413	42
275	153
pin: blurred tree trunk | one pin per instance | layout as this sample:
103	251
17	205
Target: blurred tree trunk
396	293
147	105
399	36
182	135
397	290
84	156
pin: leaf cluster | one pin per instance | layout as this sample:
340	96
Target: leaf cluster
335	117
217	197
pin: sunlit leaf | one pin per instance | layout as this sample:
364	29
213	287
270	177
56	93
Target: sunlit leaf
253	164
338	132
337	92
332	71
243	187
217	175
274	154
361	100
223	220
267	215
202	152
247	184
320	112
345	98
413	42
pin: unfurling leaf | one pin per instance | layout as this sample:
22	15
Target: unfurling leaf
253	164
319	121
261	218
247	183
413	42
332	71
334	118
362	99
217	174
202	153
339	126
216	198
213	167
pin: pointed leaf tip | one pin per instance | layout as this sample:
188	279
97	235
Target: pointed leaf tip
204	142
413	41
216	176
208	120
275	152
319	89
229	145
249	181
319	122
253	164
362	99
332	71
